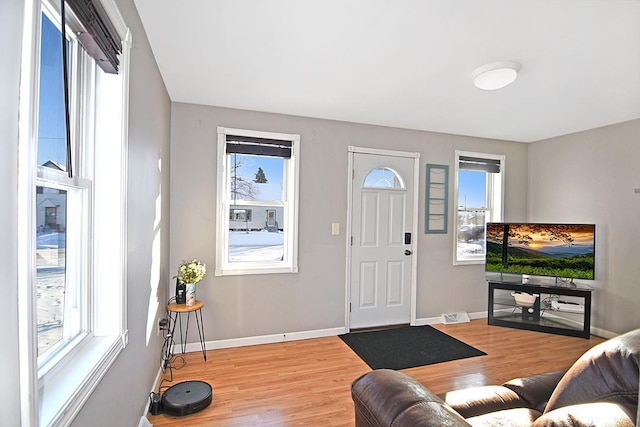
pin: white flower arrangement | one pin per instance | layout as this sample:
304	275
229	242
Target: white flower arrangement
191	271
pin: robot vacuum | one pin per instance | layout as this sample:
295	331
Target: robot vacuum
186	398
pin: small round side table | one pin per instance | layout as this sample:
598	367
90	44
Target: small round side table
175	314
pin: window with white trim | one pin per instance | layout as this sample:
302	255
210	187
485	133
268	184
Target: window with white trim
257	227
479	192
73	209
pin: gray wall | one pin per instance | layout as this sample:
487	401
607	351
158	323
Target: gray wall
10	46
314	298
127	384
590	177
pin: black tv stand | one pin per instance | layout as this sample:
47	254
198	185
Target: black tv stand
560	310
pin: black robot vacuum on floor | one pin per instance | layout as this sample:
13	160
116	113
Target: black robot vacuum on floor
184	398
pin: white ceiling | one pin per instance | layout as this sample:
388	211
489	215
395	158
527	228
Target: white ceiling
406	63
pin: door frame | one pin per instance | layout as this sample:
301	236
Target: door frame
414	226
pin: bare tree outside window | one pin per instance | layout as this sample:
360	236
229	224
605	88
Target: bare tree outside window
241	188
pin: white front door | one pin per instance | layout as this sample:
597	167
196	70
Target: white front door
383	230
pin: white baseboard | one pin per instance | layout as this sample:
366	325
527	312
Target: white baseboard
261	339
144	422
479	315
438	319
603	333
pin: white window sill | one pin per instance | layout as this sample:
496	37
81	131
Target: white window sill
67	386
265	270
469	261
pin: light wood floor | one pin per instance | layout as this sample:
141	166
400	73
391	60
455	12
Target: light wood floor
307	383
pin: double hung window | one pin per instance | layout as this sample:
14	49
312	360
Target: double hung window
73	209
257	202
479	188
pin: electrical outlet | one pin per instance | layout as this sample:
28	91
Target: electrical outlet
162	326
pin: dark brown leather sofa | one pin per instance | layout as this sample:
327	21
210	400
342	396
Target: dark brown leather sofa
600	389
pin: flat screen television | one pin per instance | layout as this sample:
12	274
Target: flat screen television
565	251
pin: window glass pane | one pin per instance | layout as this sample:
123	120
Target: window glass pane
51	265
383	178
255	244
52	142
256	232
472	189
471	232
255	177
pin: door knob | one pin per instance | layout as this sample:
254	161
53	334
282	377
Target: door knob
407	252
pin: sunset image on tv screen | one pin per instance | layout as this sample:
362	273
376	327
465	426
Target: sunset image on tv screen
557	250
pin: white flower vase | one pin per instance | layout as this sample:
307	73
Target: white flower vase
191	294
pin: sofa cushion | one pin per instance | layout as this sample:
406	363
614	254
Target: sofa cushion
608	373
601	414
518	417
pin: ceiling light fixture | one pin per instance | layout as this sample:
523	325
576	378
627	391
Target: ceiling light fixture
495	75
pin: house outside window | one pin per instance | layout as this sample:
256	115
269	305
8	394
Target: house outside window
72	211
479	182
242	215
257	202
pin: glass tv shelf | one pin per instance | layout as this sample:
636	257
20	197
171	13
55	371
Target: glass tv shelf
555	309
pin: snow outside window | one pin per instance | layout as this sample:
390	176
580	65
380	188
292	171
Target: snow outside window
258	202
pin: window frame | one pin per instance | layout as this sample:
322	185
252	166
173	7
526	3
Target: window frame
494	201
291	171
54	389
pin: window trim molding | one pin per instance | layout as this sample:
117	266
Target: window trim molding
291	203
496	211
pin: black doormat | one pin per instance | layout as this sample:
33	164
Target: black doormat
407	347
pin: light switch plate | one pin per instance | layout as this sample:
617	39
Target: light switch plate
335	229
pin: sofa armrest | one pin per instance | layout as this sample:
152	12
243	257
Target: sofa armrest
384	397
604	414
537	389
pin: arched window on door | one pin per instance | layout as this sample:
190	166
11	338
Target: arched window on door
383	177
